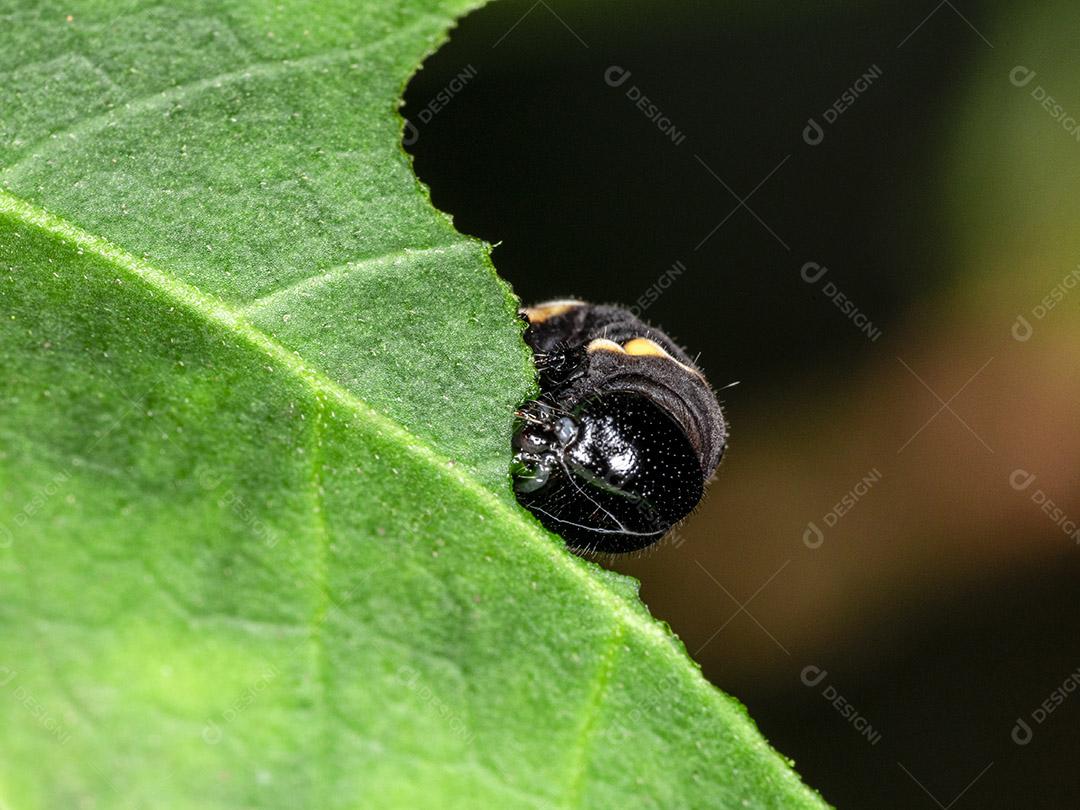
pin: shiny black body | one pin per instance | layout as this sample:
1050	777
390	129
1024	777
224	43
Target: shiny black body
625	433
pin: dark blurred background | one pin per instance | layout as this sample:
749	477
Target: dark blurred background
896	522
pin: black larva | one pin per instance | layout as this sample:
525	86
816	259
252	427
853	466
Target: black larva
624	435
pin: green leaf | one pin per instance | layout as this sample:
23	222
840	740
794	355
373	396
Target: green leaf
258	546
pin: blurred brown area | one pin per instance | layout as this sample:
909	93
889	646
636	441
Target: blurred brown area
943	510
896	515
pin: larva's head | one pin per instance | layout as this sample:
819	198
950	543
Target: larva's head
624	435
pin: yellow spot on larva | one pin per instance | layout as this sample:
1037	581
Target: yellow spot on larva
549	309
604	345
643	347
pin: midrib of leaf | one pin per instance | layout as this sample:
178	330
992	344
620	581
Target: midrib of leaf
328	392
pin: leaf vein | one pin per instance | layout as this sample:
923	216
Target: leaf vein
320	670
591	716
341	271
161	98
